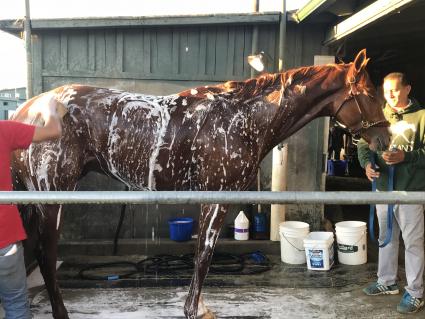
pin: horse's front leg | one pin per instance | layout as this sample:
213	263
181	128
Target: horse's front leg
47	257
210	223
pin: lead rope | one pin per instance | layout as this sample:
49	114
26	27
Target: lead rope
390	211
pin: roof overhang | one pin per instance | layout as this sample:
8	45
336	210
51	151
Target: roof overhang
310	8
17	26
366	16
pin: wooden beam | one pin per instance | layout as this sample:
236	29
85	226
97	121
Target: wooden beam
310	8
142	76
13	26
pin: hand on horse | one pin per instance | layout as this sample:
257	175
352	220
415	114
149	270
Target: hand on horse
47	106
370	172
52	109
393	157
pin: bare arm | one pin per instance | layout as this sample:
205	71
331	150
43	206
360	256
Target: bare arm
52	128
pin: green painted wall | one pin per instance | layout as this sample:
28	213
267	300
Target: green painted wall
183	54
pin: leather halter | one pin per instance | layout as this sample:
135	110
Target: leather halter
364	124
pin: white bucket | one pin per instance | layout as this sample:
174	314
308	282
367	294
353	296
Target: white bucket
292	234
352	243
319	250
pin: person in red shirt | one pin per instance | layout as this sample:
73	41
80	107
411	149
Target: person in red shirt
15	135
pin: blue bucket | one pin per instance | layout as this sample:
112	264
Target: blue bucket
181	228
336	167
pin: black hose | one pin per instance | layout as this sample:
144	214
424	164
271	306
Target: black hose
163	264
87	272
222	263
118	230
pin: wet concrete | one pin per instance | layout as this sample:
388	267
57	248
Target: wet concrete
286	291
247	302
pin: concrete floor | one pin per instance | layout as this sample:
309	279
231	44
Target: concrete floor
246	302
286	291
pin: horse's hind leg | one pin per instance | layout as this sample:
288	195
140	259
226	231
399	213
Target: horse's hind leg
46	254
53	167
210	223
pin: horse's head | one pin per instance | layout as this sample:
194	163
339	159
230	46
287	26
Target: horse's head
359	110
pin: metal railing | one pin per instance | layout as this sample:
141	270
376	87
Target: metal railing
211	197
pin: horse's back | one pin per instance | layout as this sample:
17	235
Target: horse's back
147	142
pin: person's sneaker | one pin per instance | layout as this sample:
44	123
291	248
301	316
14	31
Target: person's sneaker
376	289
409	304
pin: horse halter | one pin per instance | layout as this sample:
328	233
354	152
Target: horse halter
364	124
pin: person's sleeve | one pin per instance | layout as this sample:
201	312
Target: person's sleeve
18	135
363	152
417	156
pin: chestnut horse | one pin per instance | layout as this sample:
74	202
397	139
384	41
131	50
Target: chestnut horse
208	138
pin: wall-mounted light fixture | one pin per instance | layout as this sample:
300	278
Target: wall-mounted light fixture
261	62
258	61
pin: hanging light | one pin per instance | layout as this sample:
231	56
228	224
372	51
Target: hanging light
258	61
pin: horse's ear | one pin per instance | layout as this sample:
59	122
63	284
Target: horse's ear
360	61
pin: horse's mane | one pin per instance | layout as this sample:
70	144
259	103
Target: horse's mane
271	81
252	87
329	74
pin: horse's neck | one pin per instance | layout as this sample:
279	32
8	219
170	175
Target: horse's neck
299	102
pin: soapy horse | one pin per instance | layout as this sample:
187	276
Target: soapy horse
209	138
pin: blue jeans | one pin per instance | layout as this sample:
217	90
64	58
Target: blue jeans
13	282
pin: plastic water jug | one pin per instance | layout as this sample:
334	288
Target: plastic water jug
259	226
241	227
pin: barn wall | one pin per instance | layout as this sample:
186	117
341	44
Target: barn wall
305	149
176	54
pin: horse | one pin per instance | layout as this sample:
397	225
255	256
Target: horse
206	138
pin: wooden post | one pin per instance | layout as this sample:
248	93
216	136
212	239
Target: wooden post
255	8
28	49
280	154
319	60
280	160
254	44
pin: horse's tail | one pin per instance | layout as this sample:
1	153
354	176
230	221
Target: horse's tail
19	185
30	221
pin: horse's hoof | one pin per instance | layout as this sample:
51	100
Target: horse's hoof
207	315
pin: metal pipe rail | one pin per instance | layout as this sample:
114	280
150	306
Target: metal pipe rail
210	197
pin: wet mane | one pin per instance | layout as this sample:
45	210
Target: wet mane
330	75
268	82
311	74
254	86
